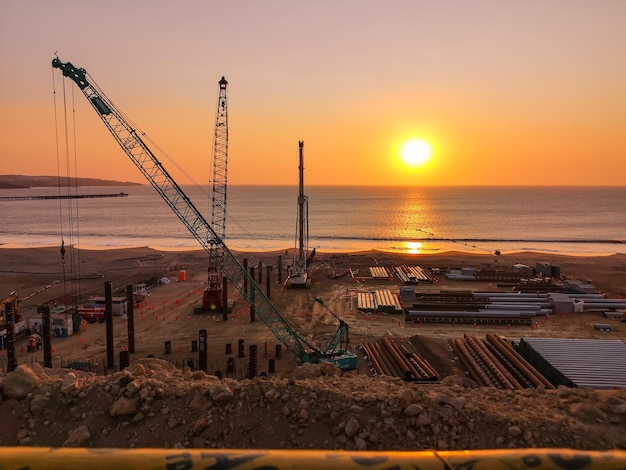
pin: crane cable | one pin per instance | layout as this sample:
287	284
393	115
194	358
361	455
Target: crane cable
189	178
72	224
58	156
75	254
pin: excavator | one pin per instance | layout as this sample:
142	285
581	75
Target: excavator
129	139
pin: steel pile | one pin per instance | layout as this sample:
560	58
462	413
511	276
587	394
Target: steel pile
413	274
388	358
382	300
494	363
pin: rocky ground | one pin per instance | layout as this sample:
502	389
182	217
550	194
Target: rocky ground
153	404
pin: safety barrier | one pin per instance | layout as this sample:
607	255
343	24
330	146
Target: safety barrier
183	459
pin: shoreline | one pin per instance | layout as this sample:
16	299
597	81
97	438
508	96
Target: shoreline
355	251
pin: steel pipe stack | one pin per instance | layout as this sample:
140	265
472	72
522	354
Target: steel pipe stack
387	358
379	272
494	363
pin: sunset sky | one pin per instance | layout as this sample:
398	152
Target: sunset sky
505	92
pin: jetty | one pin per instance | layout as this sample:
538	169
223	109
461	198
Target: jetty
67	196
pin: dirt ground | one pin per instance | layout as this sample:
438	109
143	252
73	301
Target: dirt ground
158	402
168	313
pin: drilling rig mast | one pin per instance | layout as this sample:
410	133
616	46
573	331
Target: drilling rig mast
213	297
298	273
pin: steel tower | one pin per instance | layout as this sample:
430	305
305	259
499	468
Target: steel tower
220	163
213	296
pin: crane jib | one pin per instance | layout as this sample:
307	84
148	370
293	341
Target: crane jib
76	74
172	194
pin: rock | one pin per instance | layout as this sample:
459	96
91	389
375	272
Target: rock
199	375
38	404
78	437
360	443
133	386
70	383
220	392
564	392
307	371
453	380
352	427
448	400
413	410
423	420
20	382
514	431
136	369
619	409
199	426
330	369
407	397
588	412
124	406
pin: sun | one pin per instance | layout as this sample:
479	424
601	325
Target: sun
416	152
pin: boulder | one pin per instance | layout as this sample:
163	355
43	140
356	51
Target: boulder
20	382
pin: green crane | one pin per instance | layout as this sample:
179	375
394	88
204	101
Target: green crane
136	149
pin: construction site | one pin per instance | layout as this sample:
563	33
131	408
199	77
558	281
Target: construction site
373	327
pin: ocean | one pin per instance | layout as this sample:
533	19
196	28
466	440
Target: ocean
560	220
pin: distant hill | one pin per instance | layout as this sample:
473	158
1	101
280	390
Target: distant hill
22	181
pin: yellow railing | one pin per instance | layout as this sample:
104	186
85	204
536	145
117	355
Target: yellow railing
34	458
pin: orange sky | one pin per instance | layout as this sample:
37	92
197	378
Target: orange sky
507	93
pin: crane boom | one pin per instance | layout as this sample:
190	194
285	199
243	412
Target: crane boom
220	163
143	158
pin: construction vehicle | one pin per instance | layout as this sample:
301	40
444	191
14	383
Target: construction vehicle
213	295
135	148
298	271
339	342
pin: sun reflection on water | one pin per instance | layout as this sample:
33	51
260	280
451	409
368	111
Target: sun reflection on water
414	247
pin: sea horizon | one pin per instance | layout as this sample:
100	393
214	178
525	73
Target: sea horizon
567	220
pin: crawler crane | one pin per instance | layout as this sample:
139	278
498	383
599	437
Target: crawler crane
144	159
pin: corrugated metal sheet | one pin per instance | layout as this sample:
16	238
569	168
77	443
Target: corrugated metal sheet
589	363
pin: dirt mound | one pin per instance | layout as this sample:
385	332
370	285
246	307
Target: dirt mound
153	404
